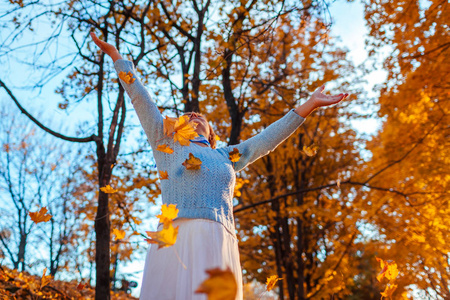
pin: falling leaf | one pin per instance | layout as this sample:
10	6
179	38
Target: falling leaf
235	155
164	148
338	183
45	280
169	125
126	77
184	131
80	286
163	175
220	285
40	216
388	291
389	270
108	189
192	163
271	281
217	138
310	151
165	237
168	213
120	234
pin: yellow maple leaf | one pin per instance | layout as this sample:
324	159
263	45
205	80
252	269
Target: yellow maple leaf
310	151
120	234
164	148
184	131
388	270
108	189
169	212
388	291
271	281
45	280
163	175
165	237
217	138
40	216
220	285
192	163
127	77
235	155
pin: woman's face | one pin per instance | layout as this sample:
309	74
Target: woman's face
202	124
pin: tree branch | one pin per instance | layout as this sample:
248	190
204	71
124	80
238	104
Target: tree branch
54	133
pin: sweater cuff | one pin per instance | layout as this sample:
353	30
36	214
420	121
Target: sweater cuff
122	65
295	118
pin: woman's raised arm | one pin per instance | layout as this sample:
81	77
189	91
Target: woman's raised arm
266	141
147	111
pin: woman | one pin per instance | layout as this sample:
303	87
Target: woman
206	237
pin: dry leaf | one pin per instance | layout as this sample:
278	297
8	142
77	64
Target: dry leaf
163	175
310	151
165	237
120	234
388	291
168	212
169	125
192	163
271	281
388	270
80	286
45	280
338	183
40	216
164	148
235	155
221	285
108	189
126	77
184	131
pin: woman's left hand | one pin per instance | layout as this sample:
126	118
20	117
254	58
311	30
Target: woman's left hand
319	99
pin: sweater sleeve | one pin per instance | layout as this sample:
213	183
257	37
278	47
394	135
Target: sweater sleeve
266	141
147	111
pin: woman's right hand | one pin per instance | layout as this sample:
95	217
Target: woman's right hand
106	48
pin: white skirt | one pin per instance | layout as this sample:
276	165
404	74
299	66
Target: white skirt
201	245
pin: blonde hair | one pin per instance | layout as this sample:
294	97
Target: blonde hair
212	134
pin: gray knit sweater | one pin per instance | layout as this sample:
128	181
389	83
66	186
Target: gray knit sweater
206	193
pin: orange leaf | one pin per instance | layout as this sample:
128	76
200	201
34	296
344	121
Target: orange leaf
235	155
126	77
80	286
169	125
271	281
40	216
389	270
163	175
310	151
192	163
388	291
45	280
184	131
120	234
164	148
108	189
165	237
221	285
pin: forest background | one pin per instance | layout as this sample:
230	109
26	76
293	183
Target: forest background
343	198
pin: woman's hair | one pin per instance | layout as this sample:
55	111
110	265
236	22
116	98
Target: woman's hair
212	134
